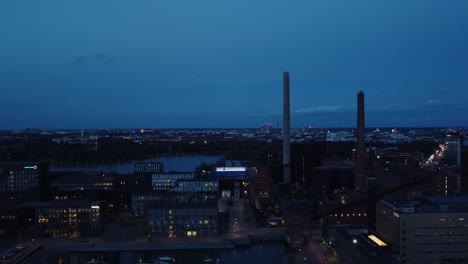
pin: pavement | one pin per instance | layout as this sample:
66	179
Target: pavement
242	219
16	254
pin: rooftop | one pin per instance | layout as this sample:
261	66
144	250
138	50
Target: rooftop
431	204
62	203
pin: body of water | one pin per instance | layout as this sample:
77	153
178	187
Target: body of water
175	163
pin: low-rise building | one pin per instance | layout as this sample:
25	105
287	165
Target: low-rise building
192	219
63	218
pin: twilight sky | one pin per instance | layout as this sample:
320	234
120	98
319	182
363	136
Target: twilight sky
219	64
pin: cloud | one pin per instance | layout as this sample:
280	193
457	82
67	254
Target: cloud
110	60
390	108
443	90
9	108
438	103
338	109
97	58
100	56
326	109
81	59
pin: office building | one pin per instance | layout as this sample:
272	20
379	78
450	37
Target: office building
150	166
164	181
63	218
181	192
451	173
266	128
141	200
200	186
262	182
425	230
453	144
79	186
234	178
127	185
24	181
190	219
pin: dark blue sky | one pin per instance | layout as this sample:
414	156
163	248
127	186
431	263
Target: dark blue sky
216	63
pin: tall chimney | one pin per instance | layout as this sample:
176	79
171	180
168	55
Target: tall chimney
286	131
360	178
361	133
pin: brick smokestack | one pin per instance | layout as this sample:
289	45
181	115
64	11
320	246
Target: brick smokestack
361	133
360	178
286	131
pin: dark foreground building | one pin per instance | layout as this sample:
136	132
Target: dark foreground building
63	218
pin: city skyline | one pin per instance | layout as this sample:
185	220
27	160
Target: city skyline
157	64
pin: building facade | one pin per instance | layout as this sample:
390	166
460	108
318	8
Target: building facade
181	192
262	182
141	200
196	185
24	181
151	167
65	218
8	218
190	219
234	179
164	181
429	230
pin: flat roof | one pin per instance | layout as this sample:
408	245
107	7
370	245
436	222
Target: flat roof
428	204
448	199
80	179
61	203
